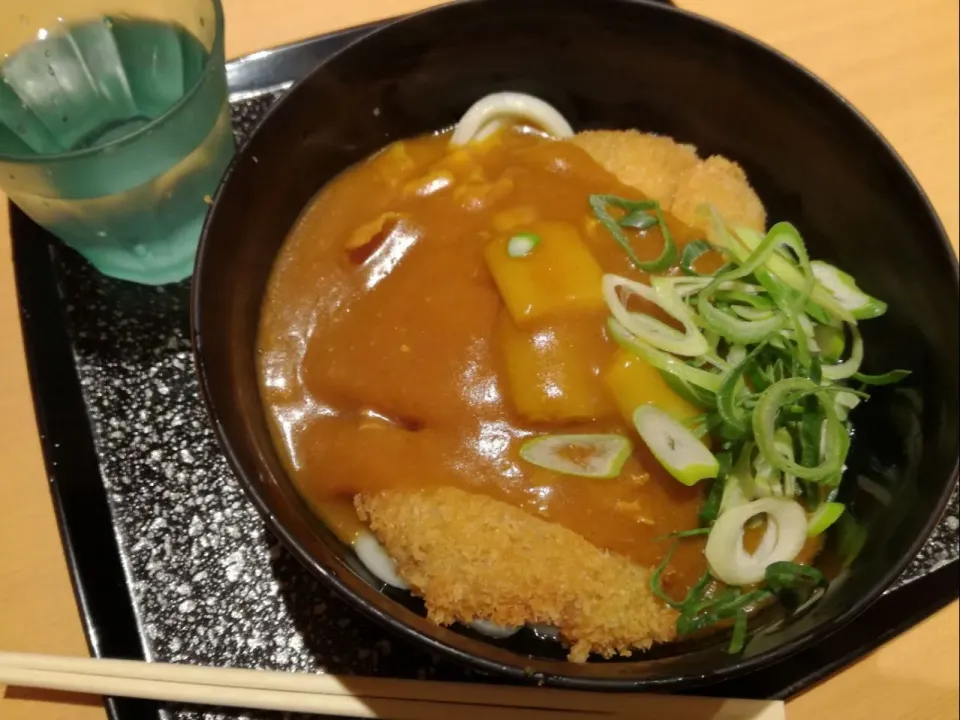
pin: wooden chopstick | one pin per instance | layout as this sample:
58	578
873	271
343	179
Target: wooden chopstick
355	696
344	706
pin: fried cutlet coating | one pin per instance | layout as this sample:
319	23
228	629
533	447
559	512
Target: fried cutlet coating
673	174
723	183
653	164
472	557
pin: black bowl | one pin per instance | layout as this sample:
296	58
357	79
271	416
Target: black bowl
618	64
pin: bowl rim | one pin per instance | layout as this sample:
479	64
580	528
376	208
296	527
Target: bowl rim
519	671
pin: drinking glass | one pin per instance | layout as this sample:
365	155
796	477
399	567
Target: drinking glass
115	127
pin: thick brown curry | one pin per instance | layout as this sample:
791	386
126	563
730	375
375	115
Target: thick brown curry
388	359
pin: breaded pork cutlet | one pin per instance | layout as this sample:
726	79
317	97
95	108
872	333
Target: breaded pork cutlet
475	558
674	175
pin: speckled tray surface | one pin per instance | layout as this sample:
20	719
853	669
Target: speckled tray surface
199	579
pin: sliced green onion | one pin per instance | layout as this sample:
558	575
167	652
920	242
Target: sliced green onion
783	539
794	584
785	393
848	367
657	587
793	303
711	508
832	494
752	314
823	517
818	313
770	334
737	488
707	603
734	329
668	255
678	450
700	425
767	480
845	402
736	355
809	331
693	394
681	534
761	375
831	341
888	378
753	297
662	361
690	342
844	289
729	396
747	240
811	433
522	244
595	456
692	251
638	220
684	286
740	286
784	574
739	637
815	370
725	605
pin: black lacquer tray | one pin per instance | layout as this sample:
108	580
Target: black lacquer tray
170	561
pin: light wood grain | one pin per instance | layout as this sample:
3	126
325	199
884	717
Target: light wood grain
896	61
360	696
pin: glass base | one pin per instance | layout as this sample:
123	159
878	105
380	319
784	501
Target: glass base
115	131
146	266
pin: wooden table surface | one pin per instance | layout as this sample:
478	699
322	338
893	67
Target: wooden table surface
896	61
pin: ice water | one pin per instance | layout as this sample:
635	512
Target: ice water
86	156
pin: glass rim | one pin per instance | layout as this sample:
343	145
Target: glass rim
216	51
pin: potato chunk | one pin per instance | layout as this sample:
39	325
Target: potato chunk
554	369
559	276
633	381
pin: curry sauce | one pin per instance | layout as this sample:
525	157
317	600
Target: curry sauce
389	360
